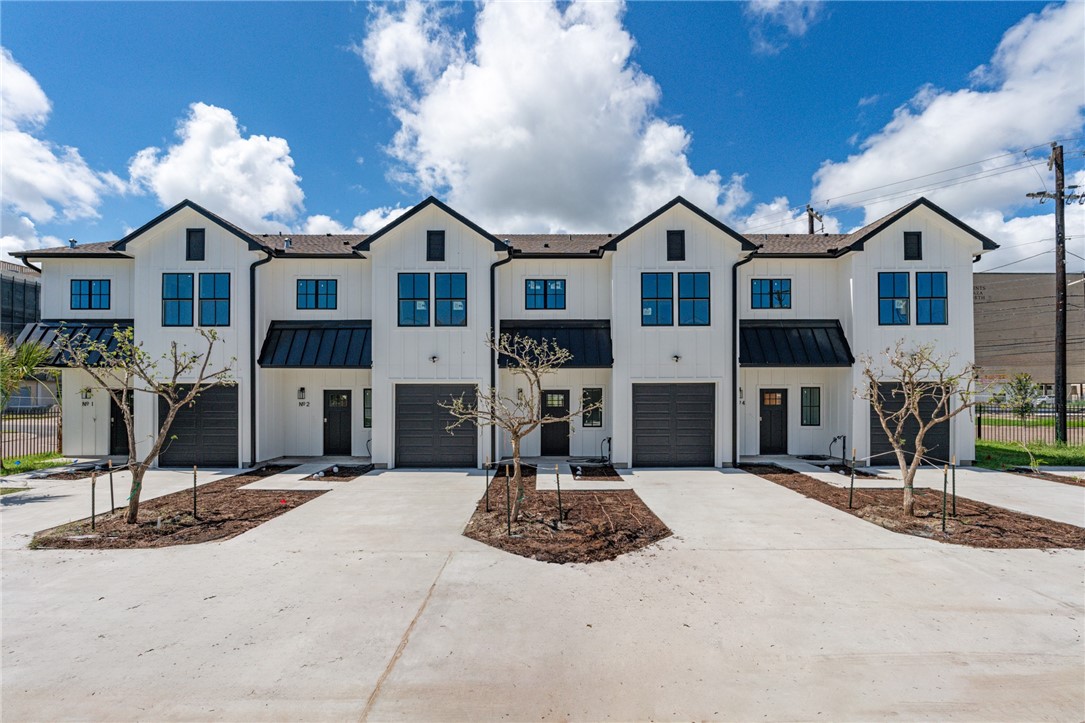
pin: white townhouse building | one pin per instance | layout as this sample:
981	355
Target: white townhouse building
703	344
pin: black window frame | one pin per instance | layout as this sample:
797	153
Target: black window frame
913	246
367	408
309	289
549	295
657	299
179	301
696	299
218	302
895	297
931	299
591	419
447	301
90	298
813	407
765	295
414	298
435	245
676	245
195	244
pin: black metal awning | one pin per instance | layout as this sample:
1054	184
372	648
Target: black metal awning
588	340
96	330
787	343
318	345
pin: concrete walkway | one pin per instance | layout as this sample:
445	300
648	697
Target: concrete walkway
367	603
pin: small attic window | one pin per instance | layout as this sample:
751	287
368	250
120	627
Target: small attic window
435	245
194	244
913	246
676	245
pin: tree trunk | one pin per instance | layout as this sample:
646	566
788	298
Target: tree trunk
909	499
517	479
138	470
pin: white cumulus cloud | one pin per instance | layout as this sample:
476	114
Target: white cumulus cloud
773	23
367	222
543	123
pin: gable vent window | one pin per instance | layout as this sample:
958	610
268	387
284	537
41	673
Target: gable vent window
194	244
676	245
913	246
435	245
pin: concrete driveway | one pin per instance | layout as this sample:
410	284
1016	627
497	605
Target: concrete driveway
368	603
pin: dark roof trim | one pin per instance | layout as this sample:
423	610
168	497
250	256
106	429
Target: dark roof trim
278	254
252	243
499	245
880	225
36	254
596	254
613	243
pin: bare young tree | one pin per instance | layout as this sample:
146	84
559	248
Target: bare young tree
914	377
121	366
531	361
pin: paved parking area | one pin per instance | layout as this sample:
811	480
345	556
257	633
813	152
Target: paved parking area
368	603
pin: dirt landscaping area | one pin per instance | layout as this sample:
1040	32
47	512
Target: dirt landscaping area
1063	479
223	511
596	526
342	473
595	472
976	524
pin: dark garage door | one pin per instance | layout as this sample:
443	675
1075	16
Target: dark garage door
674	425
206	431
421	437
936	441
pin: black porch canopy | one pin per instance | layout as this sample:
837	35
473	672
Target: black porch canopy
789	343
587	339
318	345
96	330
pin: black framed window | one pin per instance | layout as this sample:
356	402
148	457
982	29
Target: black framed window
592	417
694	297
770	294
215	299
435	245
176	299
913	246
811	406
544	293
931	298
414	299
90	293
656	299
367	408
450	299
893	298
676	245
318	293
194	244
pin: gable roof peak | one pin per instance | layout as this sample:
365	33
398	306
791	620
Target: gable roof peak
431	200
249	239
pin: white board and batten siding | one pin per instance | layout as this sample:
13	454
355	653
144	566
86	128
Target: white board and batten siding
835	394
583	441
293	427
587	287
58	273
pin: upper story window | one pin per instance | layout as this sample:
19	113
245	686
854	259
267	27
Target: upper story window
450	299
913	246
544	293
893	298
435	245
931	302
771	294
414	299
592	417
694	299
676	245
194	244
214	299
318	293
176	299
90	293
656	299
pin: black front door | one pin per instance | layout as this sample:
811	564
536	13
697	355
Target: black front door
555	435
118	431
336	421
773	421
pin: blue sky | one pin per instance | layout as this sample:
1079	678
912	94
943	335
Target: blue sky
531	117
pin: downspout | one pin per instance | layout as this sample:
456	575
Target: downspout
252	346
735	344
493	335
32	267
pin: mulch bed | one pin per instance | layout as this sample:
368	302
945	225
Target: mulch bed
223	510
81	474
1026	472
977	524
344	474
845	471
595	472
597	526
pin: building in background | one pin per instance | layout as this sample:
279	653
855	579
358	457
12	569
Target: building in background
20	298
1015	328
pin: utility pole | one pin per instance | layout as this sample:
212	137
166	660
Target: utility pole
811	214
1061	199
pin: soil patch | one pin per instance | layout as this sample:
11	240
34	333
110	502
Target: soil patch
597	526
845	471
595	472
1025	471
344	474
527	471
81	474
223	511
976	524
